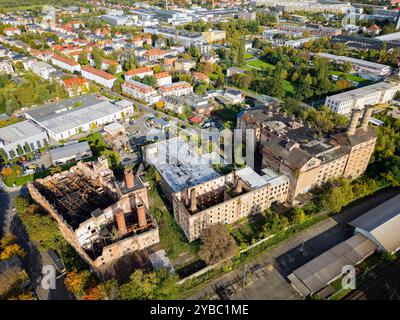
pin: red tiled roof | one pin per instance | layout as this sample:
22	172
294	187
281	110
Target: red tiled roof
137	71
162	75
99	73
139	87
109	62
200	76
77	81
195	119
66	60
156	52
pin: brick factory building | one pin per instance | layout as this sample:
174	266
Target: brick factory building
104	220
307	159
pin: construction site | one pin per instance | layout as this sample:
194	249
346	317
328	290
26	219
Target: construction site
103	219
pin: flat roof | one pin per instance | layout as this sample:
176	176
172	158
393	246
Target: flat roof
72	113
353	60
360	92
179	164
19	131
69	150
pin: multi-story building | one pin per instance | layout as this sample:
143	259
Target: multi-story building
42	69
295	150
140	91
65	63
185	65
214	36
107	63
76	86
102	77
6	67
22	137
103	219
360	65
180	88
74	116
184	37
163	78
315	31
202	197
138	72
377	93
156	54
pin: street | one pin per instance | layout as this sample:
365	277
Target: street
34	259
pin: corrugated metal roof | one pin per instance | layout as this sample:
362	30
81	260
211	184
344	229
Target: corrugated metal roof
319	272
383	223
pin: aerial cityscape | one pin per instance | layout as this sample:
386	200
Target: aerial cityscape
200	150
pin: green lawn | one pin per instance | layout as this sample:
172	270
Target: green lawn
248	56
350	77
288	86
258	65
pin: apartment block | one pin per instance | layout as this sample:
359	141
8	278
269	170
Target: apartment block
104	78
176	89
65	63
377	93
140	91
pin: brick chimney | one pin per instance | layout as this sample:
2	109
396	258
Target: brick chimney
353	122
121	224
366	116
129	179
239	186
141	215
193	200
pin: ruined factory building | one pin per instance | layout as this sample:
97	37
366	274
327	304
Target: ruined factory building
201	197
101	218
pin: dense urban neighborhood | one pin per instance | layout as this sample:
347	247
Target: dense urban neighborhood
199	150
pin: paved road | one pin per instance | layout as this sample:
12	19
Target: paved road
280	261
34	259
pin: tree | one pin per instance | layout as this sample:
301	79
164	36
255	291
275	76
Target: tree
56	169
338	196
93	294
156	69
21	204
140	286
83	58
298	216
150	81
75	281
97	57
3	155
217	244
110	289
20	151
112	69
9	248
275	222
27	148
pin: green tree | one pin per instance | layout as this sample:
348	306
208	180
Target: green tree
83	59
298	216
150	81
140	286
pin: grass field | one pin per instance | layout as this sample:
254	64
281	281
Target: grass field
258	65
350	77
248	56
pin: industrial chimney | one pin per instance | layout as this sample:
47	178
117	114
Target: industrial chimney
193	200
121	224
353	122
239	187
129	179
141	216
366	116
